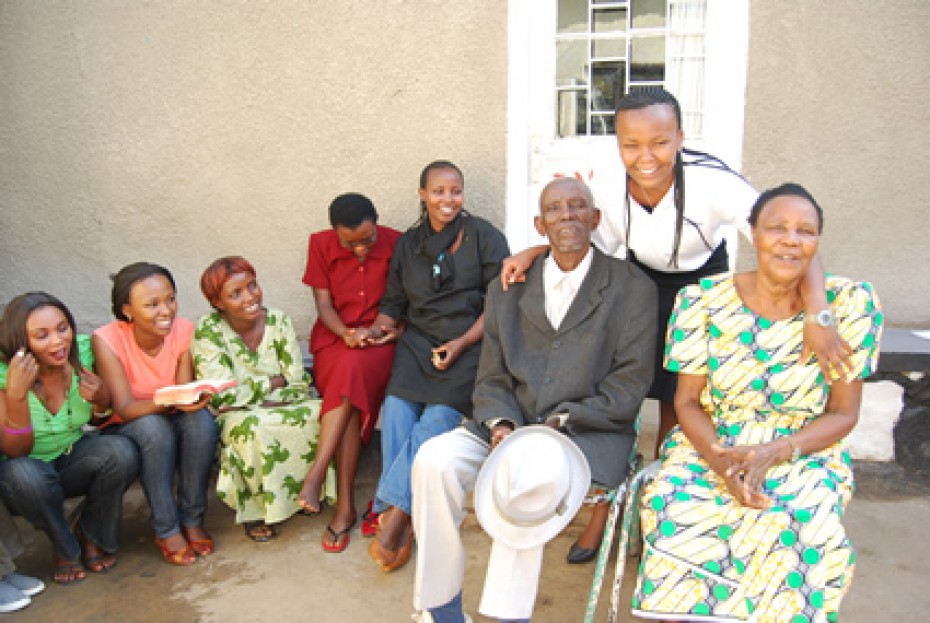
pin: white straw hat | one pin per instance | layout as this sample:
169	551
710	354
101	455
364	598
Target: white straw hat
531	486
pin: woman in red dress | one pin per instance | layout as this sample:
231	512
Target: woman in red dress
347	269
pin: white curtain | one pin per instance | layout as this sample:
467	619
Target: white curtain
684	63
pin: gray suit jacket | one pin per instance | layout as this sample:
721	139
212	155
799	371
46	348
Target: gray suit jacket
597	366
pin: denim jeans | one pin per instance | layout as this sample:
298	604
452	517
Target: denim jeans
182	441
452	613
449	613
99	468
405	425
11	543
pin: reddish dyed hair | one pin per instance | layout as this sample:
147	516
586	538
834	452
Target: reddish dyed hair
219	272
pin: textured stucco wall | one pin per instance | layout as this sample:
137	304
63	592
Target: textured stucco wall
838	99
177	132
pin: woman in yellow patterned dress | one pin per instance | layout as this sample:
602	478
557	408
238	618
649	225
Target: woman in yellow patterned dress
742	523
269	424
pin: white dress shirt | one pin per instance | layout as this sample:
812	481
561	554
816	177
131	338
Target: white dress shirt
560	287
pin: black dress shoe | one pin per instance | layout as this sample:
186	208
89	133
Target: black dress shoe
578	555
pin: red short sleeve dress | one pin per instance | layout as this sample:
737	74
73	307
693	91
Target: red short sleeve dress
359	374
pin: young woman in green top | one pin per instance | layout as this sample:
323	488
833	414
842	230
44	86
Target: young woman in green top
48	392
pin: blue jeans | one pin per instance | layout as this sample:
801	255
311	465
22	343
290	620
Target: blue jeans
99	468
405	425
182	441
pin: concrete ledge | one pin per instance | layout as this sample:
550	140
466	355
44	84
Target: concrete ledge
903	351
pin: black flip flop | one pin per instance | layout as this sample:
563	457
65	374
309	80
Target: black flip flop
332	544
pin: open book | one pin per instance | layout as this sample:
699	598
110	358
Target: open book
189	393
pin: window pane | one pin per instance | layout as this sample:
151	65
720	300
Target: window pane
610	48
647	59
602	124
571	58
573	107
648	13
607	80
609	20
573	16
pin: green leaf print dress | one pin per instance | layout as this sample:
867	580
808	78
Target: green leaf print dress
265	452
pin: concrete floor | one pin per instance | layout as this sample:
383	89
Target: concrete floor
292	579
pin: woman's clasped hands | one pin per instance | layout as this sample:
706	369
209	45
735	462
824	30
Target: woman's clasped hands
362	337
744	469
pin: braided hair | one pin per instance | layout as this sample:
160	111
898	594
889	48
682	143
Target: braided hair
653	96
657	96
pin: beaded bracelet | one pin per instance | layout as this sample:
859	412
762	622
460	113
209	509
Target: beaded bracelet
18	431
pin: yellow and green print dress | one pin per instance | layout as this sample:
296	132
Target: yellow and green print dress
707	558
265	451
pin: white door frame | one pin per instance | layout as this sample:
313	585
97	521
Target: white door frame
531	101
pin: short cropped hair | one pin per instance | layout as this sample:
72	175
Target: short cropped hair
788	189
219	272
351	210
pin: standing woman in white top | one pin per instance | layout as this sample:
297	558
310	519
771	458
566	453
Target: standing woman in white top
668	214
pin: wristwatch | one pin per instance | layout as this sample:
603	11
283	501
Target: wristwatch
824	318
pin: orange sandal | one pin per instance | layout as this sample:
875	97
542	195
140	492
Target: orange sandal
391	560
181	557
201	547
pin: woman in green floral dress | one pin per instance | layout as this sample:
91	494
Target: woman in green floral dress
269	423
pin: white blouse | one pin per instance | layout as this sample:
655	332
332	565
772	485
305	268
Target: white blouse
714	199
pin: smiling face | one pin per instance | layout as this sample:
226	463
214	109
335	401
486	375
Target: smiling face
443	195
240	298
567	217
359	240
649	140
152	305
49	336
786	236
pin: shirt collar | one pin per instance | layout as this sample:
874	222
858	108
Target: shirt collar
552	274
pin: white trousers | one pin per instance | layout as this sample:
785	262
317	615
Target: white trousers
444	472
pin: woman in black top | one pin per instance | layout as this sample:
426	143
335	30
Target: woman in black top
436	286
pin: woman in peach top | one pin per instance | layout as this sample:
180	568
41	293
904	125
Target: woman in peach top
144	349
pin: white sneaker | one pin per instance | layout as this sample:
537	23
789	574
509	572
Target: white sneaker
27	585
11	599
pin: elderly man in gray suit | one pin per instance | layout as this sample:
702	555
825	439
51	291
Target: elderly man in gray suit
572	348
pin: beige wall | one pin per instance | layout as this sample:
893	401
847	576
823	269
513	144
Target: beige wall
177	132
838	99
